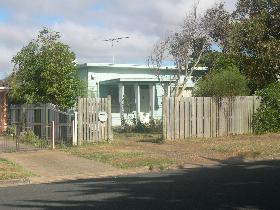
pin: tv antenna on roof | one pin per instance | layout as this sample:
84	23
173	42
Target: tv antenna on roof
113	40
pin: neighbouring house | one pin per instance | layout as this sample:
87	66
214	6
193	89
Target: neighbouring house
134	89
3	108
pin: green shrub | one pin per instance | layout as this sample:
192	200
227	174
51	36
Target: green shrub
134	125
29	137
154	126
11	130
267	119
223	80
222	83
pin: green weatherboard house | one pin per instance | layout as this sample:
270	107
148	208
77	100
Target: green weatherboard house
134	89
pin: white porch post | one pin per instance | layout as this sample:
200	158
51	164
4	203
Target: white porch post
137	98
152	99
169	90
121	95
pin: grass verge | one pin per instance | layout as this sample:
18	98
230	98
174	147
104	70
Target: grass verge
121	159
10	170
247	147
134	150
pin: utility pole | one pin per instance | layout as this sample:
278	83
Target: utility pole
113	40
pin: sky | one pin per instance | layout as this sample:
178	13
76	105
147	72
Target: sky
85	24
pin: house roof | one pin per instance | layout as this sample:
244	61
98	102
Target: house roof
120	65
130	66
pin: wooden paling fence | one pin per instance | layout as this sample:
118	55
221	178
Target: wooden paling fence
207	117
91	128
39	119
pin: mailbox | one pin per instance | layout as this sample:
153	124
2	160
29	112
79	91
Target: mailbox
103	117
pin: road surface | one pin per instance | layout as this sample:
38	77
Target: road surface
240	186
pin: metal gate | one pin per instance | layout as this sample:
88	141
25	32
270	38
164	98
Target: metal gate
39	117
22	141
8	144
36	127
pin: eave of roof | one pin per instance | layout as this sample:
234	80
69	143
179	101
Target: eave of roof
131	80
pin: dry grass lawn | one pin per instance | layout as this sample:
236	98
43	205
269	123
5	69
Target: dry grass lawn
10	170
131	150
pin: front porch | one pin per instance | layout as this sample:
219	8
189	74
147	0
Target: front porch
132	98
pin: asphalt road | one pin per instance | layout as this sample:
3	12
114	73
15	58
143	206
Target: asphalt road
241	186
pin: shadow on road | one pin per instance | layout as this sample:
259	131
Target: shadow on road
226	186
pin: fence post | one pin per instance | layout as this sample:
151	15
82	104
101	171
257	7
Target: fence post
109	123
80	121
46	120
53	134
74	143
75	129
22	121
164	110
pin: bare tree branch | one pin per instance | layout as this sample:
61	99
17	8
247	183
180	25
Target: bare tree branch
184	48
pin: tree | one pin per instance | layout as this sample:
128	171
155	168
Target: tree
224	80
184	48
217	22
255	40
250	34
45	72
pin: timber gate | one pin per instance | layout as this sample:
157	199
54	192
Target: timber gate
94	120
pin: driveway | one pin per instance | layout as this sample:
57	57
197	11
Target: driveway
57	165
254	185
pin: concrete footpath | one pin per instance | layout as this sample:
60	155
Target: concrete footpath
56	165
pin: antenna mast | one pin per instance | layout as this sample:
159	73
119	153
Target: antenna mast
113	40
